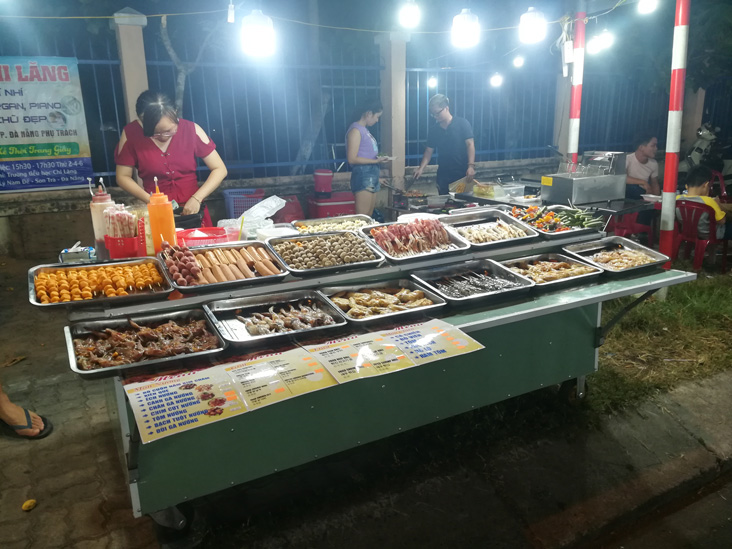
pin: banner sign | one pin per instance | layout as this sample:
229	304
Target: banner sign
43	138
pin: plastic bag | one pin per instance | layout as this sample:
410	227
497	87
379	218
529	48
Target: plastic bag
256	217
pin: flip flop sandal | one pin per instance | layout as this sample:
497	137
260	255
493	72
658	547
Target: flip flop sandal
47	427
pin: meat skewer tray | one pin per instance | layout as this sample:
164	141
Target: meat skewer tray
562	282
584	250
212	287
457	245
428	278
429	293
223	314
80	329
489	216
379	256
340	219
157	292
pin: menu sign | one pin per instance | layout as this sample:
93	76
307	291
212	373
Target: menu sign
43	137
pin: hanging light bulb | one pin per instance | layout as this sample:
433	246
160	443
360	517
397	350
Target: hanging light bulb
518	61
647	6
230	15
257	35
532	27
496	80
606	39
465	29
409	15
432	82
594	45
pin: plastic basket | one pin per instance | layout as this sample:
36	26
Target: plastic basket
214	235
240	200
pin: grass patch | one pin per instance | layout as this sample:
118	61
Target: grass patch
660	344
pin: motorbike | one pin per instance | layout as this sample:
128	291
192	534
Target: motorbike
707	151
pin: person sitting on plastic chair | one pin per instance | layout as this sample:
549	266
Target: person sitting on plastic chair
698	185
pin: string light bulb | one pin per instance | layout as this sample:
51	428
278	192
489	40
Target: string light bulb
607	39
432	82
258	35
496	80
230	14
465	29
409	15
647	6
518	61
532	27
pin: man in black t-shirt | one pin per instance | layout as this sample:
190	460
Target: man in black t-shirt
453	137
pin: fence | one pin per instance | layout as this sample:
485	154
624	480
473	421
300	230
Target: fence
718	107
259	114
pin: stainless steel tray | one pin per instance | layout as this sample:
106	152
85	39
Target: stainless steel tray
161	293
458	243
488	216
474	209
560	234
82	328
429	293
222	314
272	242
584	250
562	282
229	283
339	219
427	277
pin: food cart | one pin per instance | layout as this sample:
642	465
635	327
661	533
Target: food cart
536	338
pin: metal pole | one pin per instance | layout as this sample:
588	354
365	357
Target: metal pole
673	136
578	70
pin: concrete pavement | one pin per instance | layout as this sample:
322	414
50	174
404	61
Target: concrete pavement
554	485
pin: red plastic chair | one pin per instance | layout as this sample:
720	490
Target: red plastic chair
689	213
722	187
627	224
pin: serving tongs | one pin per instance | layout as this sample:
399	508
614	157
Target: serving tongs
604	248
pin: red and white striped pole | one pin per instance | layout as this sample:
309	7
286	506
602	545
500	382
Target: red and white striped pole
578	70
673	135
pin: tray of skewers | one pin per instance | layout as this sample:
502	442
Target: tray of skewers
250	320
617	255
557	221
330	224
115	282
416	239
322	253
489	228
475	280
102	348
365	303
552	271
219	266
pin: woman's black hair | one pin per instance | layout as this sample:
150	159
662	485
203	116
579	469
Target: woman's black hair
151	107
371	104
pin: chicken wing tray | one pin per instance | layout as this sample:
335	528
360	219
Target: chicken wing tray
416	239
474	280
250	320
617	255
366	303
324	252
552	271
219	266
103	348
112	282
489	228
330	224
556	221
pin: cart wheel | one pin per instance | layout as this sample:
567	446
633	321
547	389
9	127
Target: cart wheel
573	391
186	531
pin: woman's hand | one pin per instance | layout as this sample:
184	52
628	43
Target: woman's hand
193	206
382	159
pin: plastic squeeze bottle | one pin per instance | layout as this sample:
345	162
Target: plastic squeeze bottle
162	223
101	200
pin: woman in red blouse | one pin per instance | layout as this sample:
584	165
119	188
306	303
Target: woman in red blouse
159	144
